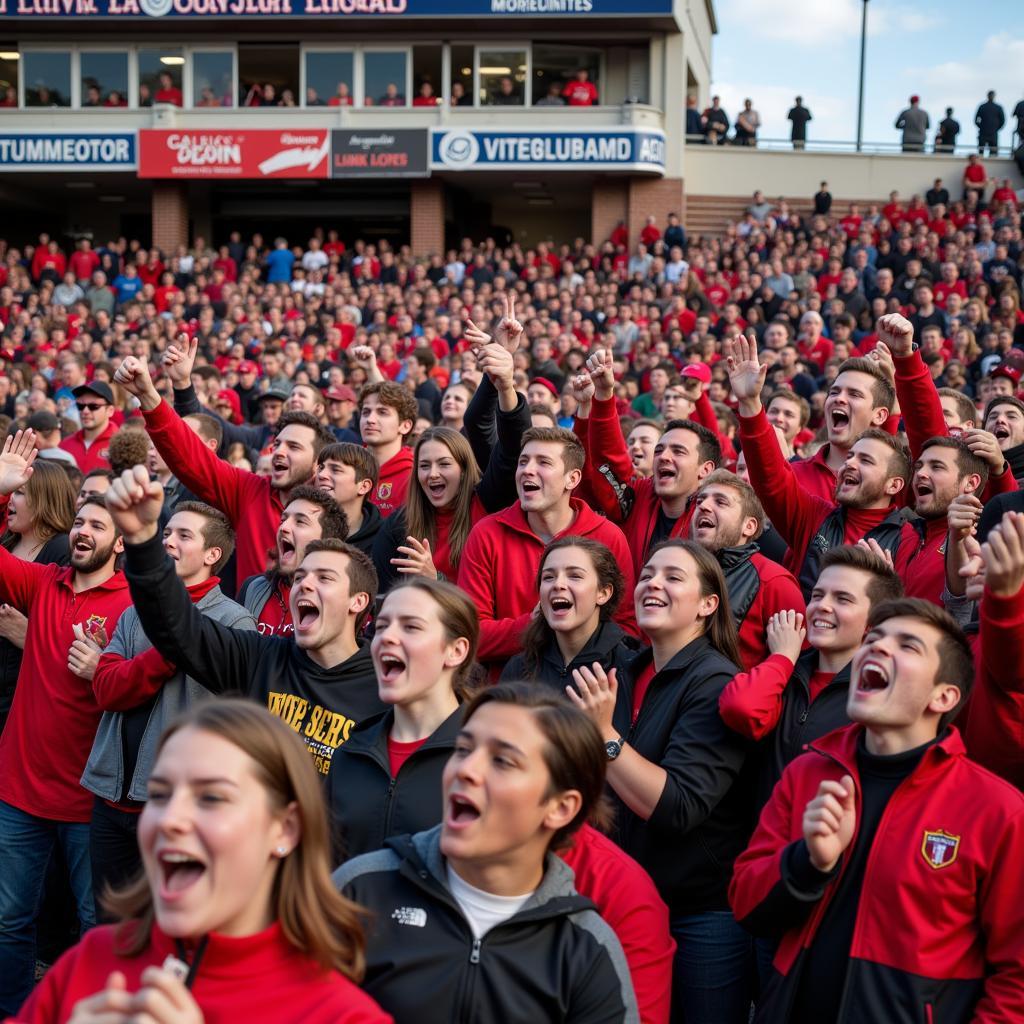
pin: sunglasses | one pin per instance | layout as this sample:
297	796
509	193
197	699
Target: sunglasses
92	406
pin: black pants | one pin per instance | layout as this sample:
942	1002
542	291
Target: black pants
989	142
113	850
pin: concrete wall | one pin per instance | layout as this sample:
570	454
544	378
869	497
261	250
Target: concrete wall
735	171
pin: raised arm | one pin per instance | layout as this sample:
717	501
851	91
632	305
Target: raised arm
19	580
217	656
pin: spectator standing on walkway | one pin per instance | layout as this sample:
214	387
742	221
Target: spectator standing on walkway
1018	113
716	122
747	123
694	123
799	115
949	129
822	200
914	123
989	119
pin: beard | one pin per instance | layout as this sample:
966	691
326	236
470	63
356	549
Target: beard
89	562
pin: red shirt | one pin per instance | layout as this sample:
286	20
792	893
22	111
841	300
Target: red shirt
172	95
83	264
275	617
53	720
580	94
975	173
393	482
93	455
340	101
399	753
818	681
261	979
640	688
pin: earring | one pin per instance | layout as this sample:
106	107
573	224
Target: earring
282	851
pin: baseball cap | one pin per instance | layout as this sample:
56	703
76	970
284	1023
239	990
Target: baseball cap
248	366
698	370
544	382
42	422
97	387
279	394
1006	370
342	393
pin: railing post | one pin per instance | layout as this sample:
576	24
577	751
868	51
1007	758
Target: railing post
860	92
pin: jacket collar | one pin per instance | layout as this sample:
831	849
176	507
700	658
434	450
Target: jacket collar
841	745
729	558
584	519
370	736
598	644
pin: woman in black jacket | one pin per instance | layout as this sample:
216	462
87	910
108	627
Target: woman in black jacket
580	586
383	781
674	769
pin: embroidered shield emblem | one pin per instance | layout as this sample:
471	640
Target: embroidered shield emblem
940	848
384	491
95	623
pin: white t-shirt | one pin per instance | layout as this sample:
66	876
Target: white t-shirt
483	910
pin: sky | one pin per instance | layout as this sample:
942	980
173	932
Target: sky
947	51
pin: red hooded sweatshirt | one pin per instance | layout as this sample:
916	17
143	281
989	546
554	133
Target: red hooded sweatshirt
259	979
53	719
393	482
248	500
498	570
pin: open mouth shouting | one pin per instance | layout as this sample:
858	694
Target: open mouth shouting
873	677
82	546
436	490
838	421
529	488
389	668
560	607
704	521
179	871
1001	432
279	465
285	549
460	813
307	615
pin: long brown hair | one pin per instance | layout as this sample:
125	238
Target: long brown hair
52	501
539	634
314	917
719	626
421	516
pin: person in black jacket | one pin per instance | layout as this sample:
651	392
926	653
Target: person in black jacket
477	920
580	587
674	769
319	680
384	781
989	118
348	473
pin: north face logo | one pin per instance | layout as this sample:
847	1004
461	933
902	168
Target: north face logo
415	917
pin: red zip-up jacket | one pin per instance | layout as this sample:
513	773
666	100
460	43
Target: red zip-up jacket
796	514
939	934
248	500
259	979
994	723
393	482
53	719
94	455
498	570
815	475
602	438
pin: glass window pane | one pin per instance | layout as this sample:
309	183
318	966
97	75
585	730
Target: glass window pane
104	79
329	79
384	79
268	75
212	78
462	75
47	79
426	75
502	77
9	64
160	77
566	75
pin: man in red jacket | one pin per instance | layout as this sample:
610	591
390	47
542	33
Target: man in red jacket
253	503
71	613
649	509
727	520
866	502
499	563
90	445
888	862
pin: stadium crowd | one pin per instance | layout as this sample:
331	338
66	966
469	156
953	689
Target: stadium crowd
616	621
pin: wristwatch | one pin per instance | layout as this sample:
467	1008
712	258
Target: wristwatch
614	747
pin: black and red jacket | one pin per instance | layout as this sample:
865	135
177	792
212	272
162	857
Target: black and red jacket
932	941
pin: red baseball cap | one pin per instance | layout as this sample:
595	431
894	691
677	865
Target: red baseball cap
1005	370
342	393
248	366
699	370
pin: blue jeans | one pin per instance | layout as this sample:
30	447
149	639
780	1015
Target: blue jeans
26	844
713	969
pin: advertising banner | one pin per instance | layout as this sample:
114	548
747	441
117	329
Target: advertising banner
629	149
245	153
64	151
398	153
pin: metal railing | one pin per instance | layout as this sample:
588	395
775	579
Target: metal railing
849	146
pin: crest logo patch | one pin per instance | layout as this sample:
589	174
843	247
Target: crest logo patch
940	848
384	491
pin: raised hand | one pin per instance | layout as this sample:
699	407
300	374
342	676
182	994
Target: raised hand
896	332
509	332
872	545
415	559
972	571
133	376
476	337
986	447
582	387
594	693
13	626
1003	554
882	358
963	515
785	634
135	503
163	999
600	364
829	822
112	1005
19	452
363	355
746	373
179	360
497	363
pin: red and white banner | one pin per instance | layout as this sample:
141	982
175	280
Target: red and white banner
246	153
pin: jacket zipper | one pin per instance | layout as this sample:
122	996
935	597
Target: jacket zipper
474	956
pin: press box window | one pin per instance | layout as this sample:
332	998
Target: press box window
104	79
213	75
47	78
384	76
268	75
10	61
502	78
556	70
462	75
160	77
426	75
329	78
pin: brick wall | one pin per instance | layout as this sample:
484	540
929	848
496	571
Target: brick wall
660	196
609	204
426	210
170	215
